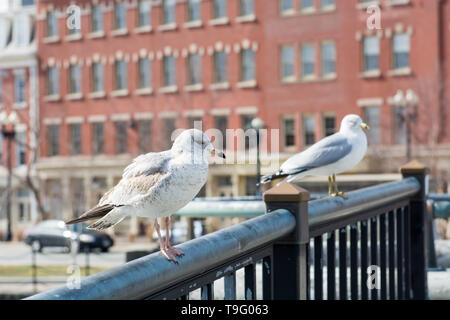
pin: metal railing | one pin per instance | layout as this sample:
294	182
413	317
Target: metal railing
383	225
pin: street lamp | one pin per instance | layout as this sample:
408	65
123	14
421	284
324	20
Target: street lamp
8	123
258	124
408	103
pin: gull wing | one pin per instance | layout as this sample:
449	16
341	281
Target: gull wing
327	151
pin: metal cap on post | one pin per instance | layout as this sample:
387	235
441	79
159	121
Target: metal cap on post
418	222
290	260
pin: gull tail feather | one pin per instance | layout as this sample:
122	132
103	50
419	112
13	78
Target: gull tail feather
109	220
270	177
97	212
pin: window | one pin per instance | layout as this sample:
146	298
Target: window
400	129
97	138
21	30
250	185
220	67
52	81
307	5
53	140
220	9
19	87
401	50
121	75
121	137
168	129
308	60
327	4
287	63
168	11
97	77
309	129
52	24
169	71
194	10
120	16
27	3
20	148
144	73
246	123
74	78
144	13
75	139
145	136
371	54
329	125
288	126
97	19
194	69
195	122
286	6
328	59
372	118
221	123
246	7
247	65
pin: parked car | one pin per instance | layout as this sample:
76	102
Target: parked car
55	233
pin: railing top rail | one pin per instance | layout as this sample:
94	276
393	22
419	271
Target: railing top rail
148	275
326	215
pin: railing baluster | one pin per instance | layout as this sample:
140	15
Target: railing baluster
343	264
230	286
391	230
308	272
364	260
407	246
383	264
331	266
318	268
354	261
250	282
267	278
400	229
374	250
207	292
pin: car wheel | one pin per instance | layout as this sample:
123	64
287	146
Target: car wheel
104	249
36	245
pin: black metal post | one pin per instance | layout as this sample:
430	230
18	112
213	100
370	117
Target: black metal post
417	230
9	136
290	264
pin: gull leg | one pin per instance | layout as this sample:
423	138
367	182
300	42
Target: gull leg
336	192
169	248
162	247
330	184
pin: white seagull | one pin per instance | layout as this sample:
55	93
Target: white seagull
156	185
332	155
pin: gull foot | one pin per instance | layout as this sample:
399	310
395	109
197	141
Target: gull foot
177	252
169	255
339	194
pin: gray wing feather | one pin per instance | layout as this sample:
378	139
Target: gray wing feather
327	151
148	164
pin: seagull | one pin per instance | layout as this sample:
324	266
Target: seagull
156	185
332	155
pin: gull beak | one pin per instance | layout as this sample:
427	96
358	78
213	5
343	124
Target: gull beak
219	154
365	126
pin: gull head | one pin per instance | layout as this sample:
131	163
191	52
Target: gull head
353	123
196	143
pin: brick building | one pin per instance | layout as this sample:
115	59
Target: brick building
19	94
119	83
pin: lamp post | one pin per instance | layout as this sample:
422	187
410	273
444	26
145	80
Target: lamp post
258	124
8	123
408	103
